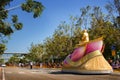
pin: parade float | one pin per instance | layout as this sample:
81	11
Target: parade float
87	58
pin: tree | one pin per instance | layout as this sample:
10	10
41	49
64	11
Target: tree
2	48
84	18
14	59
117	6
104	25
6	27
64	39
113	9
1	61
35	52
95	21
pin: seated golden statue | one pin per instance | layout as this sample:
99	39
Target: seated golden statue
87	58
85	39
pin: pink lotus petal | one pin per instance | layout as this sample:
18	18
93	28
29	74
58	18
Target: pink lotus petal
78	53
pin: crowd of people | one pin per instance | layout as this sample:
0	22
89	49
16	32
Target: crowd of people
41	65
115	63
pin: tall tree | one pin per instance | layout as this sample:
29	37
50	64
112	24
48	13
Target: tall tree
6	27
64	39
84	19
35	52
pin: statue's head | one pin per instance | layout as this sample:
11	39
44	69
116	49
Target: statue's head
85	30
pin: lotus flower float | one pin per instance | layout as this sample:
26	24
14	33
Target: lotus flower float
87	59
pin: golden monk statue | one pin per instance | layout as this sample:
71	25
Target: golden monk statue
85	39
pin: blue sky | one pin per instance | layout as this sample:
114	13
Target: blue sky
37	30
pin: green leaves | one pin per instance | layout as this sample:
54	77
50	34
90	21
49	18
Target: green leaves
2	48
33	6
14	18
18	26
5	2
14	59
3	14
5	29
35	52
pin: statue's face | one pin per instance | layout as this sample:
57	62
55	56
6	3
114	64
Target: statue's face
84	30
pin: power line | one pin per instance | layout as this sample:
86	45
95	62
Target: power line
12	8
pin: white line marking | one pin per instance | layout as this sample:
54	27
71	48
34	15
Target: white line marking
33	72
21	72
3	74
8	72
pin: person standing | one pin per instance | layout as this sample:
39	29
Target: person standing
41	65
31	65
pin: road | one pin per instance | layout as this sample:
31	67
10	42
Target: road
50	74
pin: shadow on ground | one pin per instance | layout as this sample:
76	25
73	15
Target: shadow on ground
60	72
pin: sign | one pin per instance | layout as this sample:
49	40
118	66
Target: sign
113	52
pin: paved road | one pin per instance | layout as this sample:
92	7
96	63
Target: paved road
50	74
